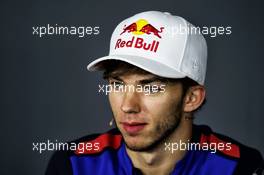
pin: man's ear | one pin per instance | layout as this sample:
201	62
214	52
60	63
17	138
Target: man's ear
194	98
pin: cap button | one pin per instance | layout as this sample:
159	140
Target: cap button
167	13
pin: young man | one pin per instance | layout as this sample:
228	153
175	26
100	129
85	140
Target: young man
156	72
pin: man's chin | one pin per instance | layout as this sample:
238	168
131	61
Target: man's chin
140	144
143	142
135	147
136	143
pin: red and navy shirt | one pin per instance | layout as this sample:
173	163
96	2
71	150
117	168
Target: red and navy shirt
111	158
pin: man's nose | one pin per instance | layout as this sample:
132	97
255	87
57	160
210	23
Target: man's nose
131	102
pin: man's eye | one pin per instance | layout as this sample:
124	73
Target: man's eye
152	89
116	85
115	82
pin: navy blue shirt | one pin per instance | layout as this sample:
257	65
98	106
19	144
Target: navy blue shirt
110	157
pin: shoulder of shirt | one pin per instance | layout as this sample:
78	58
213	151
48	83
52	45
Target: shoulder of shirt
249	159
97	143
60	160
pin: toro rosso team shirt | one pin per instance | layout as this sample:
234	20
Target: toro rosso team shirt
109	157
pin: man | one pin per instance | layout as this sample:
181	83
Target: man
156	74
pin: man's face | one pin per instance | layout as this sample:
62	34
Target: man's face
145	119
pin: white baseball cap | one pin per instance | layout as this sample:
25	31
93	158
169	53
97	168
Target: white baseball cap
160	43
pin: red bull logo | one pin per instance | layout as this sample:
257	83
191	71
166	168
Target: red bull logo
138	43
140	27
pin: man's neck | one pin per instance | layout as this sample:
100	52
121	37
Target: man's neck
159	160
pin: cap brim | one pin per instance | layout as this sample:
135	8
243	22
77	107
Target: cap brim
146	64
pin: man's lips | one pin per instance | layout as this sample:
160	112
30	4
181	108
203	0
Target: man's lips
133	127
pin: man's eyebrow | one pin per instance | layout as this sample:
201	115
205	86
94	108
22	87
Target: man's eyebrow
116	78
143	81
152	79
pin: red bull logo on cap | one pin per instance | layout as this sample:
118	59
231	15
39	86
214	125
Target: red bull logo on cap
140	27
